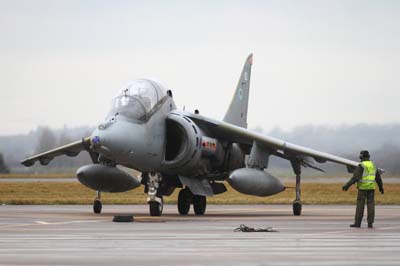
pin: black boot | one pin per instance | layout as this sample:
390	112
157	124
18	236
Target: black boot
355	225
370	226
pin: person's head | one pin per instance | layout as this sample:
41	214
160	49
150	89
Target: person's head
364	155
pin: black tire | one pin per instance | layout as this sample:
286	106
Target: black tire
156	208
297	208
199	204
184	200
97	206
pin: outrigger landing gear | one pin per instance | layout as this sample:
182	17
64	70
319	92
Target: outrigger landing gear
297	203
154	199
97	205
297	206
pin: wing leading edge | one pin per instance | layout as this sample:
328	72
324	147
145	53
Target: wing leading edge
72	149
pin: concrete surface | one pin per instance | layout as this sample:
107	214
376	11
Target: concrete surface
72	235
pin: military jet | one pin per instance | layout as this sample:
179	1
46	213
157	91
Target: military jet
173	149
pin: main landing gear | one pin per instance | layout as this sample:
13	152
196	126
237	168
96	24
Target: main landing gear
186	198
97	205
297	206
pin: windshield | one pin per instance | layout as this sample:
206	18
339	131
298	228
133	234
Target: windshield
137	99
128	106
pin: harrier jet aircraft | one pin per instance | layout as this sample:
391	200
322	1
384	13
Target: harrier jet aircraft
176	149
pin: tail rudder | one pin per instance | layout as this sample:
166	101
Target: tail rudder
237	111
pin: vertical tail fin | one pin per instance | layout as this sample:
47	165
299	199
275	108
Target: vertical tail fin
237	111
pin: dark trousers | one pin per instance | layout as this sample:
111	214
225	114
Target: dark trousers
363	195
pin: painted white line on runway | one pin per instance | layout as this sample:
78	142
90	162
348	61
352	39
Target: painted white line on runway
388	228
41	222
49	223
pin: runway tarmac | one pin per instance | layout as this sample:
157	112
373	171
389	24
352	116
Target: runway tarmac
73	235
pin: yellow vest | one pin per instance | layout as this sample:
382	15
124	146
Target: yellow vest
367	181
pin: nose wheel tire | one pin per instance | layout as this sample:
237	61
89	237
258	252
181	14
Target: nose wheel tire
184	199
297	208
156	208
199	204
97	206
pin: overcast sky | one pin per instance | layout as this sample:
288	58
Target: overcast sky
315	62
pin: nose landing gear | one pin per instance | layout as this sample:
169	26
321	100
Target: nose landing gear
154	200
156	208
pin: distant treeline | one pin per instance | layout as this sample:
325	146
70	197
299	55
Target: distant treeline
383	141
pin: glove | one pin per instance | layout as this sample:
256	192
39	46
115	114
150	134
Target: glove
345	188
381	191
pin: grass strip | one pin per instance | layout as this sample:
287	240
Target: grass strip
75	193
29	175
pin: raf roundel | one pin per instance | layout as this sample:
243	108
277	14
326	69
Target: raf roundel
96	140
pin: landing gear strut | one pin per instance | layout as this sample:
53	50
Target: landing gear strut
97	203
297	206
154	199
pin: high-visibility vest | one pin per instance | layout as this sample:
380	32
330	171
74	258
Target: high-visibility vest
367	181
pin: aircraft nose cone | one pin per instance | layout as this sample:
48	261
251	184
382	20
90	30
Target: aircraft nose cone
122	142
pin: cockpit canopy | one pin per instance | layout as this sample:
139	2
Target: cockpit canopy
137	99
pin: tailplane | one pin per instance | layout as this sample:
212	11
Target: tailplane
237	111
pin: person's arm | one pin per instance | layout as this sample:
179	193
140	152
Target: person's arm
378	180
358	172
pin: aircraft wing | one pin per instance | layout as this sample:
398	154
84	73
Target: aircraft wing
72	149
278	147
